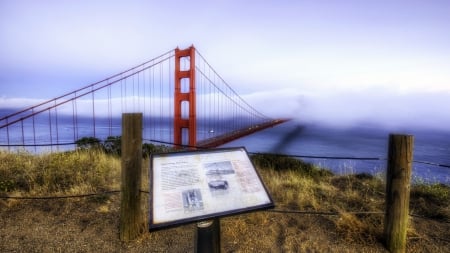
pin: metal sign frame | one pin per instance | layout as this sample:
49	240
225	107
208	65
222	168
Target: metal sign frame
192	186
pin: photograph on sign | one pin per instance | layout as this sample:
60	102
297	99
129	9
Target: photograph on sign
197	185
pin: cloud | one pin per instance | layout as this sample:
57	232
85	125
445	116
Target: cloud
18	103
369	106
276	103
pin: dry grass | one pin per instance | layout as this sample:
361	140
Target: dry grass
91	224
58	173
349	196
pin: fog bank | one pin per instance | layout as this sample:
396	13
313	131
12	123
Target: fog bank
346	109
338	109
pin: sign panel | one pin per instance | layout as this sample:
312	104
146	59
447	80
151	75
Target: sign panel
199	185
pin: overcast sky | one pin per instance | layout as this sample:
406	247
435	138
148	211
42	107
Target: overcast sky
347	61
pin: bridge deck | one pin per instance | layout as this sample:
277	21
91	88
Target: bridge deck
225	138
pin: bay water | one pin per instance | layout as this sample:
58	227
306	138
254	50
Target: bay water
431	146
362	141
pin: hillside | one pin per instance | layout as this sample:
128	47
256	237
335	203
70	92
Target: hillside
315	210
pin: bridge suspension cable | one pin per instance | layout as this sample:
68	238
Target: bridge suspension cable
233	117
94	111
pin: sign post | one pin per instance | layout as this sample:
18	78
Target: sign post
208	236
199	186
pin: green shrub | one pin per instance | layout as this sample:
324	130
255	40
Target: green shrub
87	143
113	145
149	148
438	193
431	200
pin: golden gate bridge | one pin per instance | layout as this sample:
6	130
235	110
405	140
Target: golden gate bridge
184	102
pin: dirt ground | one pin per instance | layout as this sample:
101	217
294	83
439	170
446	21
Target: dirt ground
92	225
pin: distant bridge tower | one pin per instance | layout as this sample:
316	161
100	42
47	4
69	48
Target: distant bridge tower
184	98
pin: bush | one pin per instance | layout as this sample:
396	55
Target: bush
113	145
439	193
149	148
431	200
87	143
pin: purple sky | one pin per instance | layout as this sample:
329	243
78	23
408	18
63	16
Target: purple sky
341	60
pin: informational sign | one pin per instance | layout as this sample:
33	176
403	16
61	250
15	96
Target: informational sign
199	185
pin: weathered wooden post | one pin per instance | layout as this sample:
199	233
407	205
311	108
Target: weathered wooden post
398	177
130	210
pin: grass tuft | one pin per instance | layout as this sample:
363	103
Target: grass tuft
431	200
68	172
284	163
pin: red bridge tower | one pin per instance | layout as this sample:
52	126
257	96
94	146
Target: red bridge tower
184	99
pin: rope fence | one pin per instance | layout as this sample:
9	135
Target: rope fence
291	211
308	156
252	153
60	197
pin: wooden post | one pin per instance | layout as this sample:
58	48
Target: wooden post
398	177
130	210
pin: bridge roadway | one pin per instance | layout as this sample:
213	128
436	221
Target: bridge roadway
225	138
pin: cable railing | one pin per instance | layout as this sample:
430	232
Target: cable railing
366	158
